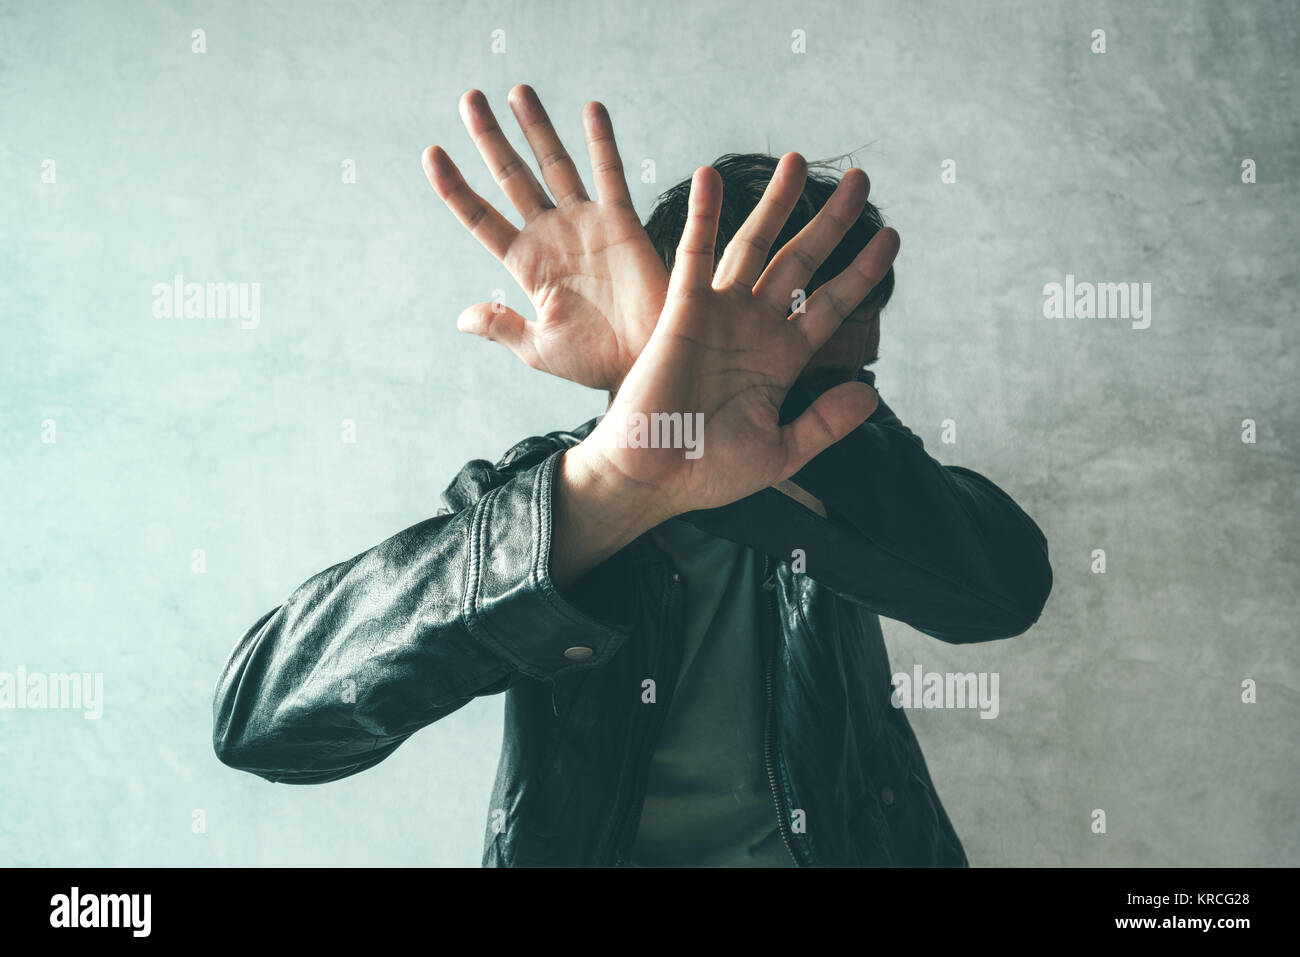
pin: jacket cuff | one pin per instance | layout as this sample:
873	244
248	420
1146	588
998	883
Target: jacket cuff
511	604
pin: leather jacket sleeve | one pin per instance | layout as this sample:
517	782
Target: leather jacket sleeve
940	548
371	650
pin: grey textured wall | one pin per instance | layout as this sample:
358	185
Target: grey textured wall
172	435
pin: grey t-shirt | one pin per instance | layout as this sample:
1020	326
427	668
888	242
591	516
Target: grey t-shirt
709	803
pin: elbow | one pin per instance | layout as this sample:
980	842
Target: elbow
1027	585
231	746
246	734
236	748
1033	581
268	757
1039	579
233	754
250	736
273	762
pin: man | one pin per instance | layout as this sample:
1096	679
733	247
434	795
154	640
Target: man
686	630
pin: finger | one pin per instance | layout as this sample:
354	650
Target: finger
795	264
557	167
476	214
831	304
693	265
498	323
743	260
508	168
606	164
834	414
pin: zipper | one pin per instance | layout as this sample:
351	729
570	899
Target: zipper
781	817
671	662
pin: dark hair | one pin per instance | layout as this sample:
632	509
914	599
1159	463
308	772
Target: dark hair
744	177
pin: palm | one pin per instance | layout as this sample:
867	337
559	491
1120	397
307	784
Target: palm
725	348
587	266
731	360
589	271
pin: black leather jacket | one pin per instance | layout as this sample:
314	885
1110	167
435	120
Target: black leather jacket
370	651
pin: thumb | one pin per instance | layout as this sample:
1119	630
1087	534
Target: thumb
500	323
834	414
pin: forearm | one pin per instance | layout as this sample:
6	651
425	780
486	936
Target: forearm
371	650
356	659
597	513
941	547
882	523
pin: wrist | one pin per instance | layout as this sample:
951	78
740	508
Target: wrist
596	515
625	506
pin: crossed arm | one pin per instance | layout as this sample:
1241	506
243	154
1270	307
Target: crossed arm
939	547
455	606
721	342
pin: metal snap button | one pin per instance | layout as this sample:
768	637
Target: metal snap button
578	652
886	796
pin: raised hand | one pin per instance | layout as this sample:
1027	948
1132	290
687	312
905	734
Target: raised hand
727	349
587	265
